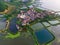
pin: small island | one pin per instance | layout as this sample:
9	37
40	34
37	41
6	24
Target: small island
19	20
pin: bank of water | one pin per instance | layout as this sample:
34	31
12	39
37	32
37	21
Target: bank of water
42	34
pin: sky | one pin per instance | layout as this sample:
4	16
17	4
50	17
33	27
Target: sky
51	4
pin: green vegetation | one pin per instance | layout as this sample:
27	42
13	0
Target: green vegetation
38	10
14	12
3	6
32	33
12	36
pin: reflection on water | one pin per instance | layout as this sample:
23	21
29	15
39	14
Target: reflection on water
24	39
53	22
49	4
37	26
12	27
44	36
56	31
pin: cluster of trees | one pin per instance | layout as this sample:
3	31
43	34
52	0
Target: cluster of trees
3	6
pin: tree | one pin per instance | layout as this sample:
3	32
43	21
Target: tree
3	6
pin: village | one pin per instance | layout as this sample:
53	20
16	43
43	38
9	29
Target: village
20	20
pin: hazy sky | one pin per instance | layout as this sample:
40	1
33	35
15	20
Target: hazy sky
51	4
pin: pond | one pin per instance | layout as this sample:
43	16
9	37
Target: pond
46	24
12	27
2	25
37	26
44	36
56	32
53	22
2	22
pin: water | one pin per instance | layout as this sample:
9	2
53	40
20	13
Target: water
56	32
24	39
2	25
2	22
44	36
53	22
12	27
46	24
48	4
37	26
18	41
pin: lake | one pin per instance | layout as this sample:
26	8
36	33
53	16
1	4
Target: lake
49	4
